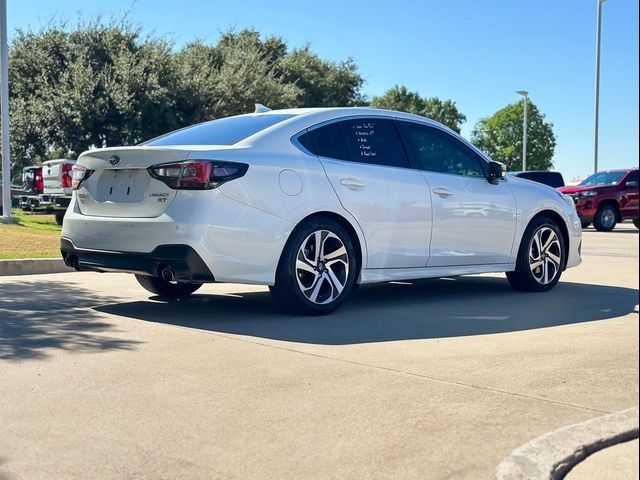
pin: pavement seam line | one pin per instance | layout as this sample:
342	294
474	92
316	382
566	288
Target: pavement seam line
402	372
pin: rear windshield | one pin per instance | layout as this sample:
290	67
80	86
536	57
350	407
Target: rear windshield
225	131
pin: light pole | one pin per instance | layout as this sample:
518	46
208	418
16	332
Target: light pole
525	94
597	109
4	118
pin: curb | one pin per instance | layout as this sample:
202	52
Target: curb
33	266
552	455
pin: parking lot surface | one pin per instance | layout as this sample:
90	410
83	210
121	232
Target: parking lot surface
430	379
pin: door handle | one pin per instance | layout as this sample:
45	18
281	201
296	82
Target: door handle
352	182
442	192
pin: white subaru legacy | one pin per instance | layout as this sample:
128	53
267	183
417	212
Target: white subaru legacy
312	202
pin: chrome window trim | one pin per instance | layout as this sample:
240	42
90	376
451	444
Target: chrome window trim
442	128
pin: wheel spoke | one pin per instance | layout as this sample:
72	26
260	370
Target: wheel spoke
536	242
554	258
314	295
335	283
535	264
336	253
304	266
319	244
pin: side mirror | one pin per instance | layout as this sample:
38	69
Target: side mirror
631	184
497	170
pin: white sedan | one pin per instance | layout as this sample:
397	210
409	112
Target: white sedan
312	202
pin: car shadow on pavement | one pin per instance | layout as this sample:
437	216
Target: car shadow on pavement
38	318
436	308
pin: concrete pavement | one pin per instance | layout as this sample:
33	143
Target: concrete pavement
430	379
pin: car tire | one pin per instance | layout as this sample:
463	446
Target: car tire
163	288
585	224
59	218
541	257
605	219
636	222
317	269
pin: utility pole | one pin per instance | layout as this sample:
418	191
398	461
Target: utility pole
525	94
597	99
4	115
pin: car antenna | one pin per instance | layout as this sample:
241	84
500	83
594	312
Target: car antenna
261	108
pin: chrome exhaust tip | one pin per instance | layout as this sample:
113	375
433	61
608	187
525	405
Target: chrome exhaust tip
167	274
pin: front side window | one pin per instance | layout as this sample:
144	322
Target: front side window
224	131
364	140
436	151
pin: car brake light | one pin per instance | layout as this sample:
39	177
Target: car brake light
39	182
66	177
197	174
78	175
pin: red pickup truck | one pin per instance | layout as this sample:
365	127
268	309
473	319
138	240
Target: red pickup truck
606	198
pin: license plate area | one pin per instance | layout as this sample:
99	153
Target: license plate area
123	186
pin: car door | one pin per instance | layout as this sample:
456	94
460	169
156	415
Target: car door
368	169
630	201
474	221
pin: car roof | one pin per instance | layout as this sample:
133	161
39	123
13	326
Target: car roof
346	111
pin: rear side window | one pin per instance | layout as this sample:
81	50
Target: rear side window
365	140
633	177
329	142
225	131
436	151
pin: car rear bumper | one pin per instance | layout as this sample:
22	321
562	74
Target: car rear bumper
181	260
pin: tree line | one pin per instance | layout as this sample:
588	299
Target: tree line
105	84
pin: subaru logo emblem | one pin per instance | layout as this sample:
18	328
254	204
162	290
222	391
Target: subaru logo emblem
114	160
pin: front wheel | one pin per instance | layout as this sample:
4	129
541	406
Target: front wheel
584	223
605	219
541	257
636	222
317	269
163	288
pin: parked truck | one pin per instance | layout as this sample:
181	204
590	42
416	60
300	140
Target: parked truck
606	198
48	188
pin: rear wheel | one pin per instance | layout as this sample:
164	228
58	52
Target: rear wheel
317	270
163	288
636	222
59	218
584	223
540	257
606	218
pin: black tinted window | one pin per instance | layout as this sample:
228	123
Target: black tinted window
369	140
633	177
305	141
436	151
374	141
329	142
225	131
553	179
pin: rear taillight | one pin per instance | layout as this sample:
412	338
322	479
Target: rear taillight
78	175
38	181
66	176
197	174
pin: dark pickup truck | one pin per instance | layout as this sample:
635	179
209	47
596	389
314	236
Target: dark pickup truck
606	198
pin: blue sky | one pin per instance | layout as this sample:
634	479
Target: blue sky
476	53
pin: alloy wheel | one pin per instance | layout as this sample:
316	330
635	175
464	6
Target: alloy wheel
322	267
545	255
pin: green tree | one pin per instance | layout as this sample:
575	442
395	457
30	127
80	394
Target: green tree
322	83
401	99
98	85
500	136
